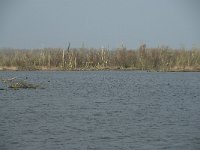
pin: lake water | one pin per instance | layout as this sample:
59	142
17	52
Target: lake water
106	110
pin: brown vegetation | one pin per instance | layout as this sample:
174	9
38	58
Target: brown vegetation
151	59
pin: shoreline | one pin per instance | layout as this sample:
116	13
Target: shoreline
13	68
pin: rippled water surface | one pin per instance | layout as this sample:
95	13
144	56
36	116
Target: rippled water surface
106	110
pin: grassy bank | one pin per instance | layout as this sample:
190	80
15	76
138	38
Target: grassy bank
150	59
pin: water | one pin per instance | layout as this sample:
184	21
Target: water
106	110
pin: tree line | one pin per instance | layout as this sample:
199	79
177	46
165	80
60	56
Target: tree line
143	58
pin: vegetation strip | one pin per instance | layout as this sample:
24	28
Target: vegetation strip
143	58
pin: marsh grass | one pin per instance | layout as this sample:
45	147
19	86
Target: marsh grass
143	58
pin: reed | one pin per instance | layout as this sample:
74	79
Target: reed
143	58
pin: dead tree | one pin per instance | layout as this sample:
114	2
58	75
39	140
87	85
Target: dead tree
63	55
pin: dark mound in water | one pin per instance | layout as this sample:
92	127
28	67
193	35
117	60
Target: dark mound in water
19	84
23	85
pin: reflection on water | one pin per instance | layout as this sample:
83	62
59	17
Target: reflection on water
102	110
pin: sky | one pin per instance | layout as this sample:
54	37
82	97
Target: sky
99	23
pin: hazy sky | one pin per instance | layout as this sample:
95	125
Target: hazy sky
97	23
